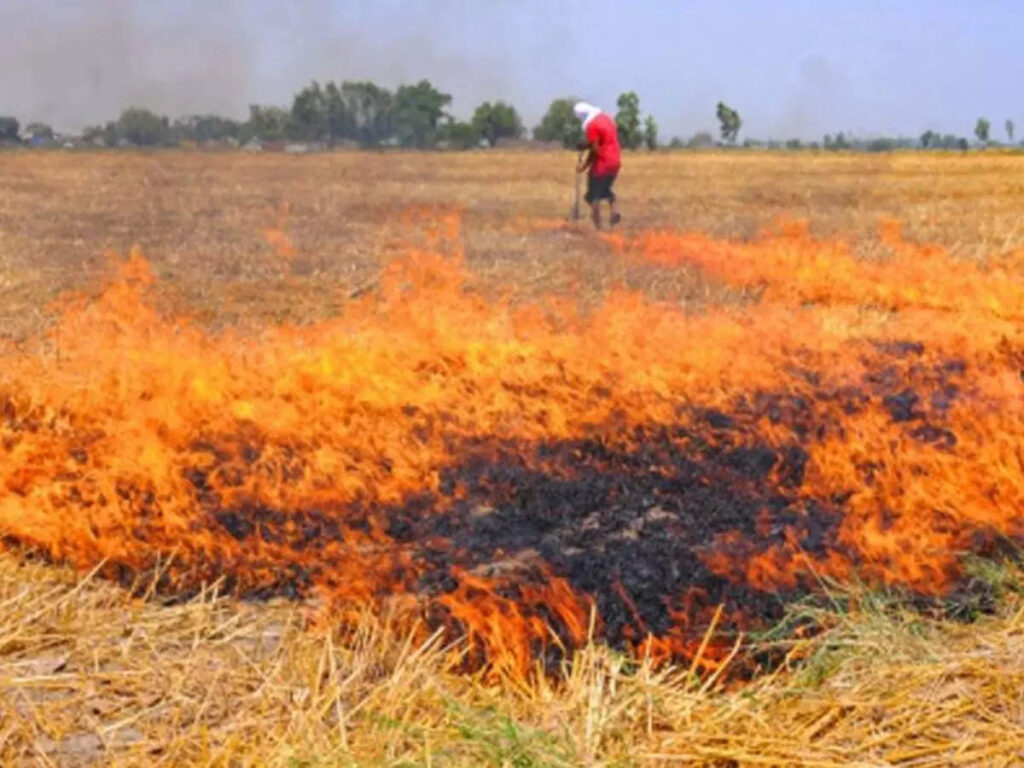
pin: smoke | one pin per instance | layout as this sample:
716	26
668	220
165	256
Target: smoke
72	64
76	62
500	50
811	107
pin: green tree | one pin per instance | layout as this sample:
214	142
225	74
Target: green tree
268	123
100	134
650	132
839	142
202	128
981	129
497	121
700	139
459	134
368	110
560	124
946	141
881	145
340	122
9	127
39	132
142	128
729	122
309	119
1009	129
627	120
105	135
928	139
417	110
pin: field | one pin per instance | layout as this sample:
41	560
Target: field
201	218
378	459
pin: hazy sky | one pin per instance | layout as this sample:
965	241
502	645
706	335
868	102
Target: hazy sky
791	67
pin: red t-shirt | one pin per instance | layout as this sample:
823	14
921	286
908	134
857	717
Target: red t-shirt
604	137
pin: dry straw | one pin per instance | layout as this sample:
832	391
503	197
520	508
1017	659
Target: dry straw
89	675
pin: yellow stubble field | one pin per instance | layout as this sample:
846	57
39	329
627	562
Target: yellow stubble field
93	673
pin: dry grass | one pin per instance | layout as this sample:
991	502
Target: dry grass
89	675
199	218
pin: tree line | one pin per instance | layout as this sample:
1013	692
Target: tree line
364	114
368	115
359	113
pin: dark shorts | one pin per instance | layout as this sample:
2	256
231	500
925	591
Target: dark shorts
600	188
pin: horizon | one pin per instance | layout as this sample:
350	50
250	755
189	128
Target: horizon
792	71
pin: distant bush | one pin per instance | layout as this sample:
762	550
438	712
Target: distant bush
560	124
143	128
701	139
459	135
881	145
496	121
9	127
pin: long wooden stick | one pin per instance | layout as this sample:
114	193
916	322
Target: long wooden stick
575	214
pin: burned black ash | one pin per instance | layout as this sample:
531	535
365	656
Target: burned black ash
627	516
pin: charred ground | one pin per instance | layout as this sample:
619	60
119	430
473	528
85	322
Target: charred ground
627	515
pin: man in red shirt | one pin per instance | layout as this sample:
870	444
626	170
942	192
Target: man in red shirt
603	159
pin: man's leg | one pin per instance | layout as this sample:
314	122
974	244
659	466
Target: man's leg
593	199
615	218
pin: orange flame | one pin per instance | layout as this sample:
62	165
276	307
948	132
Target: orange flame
293	463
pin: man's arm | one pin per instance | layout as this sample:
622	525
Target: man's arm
585	162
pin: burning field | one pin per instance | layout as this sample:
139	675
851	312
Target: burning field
311	475
532	476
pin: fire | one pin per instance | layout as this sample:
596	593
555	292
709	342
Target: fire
528	477
788	266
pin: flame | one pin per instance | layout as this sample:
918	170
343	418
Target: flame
908	515
528	476
787	266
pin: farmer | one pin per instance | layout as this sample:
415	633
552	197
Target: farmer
603	159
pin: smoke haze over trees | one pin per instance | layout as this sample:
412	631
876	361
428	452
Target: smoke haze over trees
418	116
794	71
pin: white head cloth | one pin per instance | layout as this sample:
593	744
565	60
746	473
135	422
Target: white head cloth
585	112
